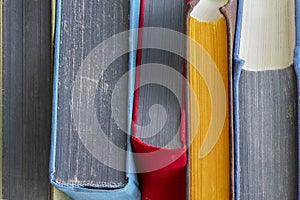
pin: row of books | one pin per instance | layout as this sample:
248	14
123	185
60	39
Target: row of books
170	99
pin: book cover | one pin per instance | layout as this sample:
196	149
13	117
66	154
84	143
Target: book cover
26	95
159	131
211	27
229	12
211	166
265	100
76	167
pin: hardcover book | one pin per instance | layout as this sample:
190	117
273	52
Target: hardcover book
25	99
265	96
90	153
211	26
159	131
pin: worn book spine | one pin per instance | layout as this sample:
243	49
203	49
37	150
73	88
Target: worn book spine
95	180
265	102
26	99
268	135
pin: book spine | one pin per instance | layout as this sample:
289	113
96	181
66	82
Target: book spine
26	99
210	170
130	191
265	119
229	12
161	171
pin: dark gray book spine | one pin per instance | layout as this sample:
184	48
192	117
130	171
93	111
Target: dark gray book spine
268	135
169	14
26	99
84	26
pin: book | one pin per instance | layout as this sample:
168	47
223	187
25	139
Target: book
55	193
90	152
159	115
265	92
211	26
26	99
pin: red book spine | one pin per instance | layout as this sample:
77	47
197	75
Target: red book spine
168	180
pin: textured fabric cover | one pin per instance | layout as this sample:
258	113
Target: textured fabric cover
238	64
229	11
168	182
130	191
25	73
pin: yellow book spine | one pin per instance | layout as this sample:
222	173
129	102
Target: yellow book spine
210	175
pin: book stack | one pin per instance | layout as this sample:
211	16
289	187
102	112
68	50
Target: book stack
151	100
191	123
